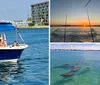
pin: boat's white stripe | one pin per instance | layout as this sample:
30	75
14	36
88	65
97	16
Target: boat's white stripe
10	60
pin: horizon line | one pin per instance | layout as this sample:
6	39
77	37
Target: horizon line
75	25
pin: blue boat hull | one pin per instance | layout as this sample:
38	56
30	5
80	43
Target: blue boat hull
10	54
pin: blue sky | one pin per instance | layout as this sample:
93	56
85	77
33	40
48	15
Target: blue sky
16	9
75	10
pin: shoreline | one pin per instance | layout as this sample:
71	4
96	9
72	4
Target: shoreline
32	27
74	26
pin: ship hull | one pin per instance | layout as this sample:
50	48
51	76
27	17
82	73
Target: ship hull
10	55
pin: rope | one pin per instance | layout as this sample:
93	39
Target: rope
20	36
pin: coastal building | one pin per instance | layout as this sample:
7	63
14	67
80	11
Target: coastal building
40	12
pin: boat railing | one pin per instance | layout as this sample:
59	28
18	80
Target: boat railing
22	46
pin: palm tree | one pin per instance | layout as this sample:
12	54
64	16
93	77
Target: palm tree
41	18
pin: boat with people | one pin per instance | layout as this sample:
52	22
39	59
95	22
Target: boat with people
10	52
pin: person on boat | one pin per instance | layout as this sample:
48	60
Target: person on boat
18	44
2	42
15	44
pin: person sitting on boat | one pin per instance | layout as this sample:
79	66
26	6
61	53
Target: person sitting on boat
15	44
2	42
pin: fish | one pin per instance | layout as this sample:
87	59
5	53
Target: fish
65	66
67	74
76	68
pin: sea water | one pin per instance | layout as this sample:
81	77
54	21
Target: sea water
63	61
75	34
32	68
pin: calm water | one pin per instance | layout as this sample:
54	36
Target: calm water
32	69
65	61
75	34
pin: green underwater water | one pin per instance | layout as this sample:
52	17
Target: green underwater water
65	61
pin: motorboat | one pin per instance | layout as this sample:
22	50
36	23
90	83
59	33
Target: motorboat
10	53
